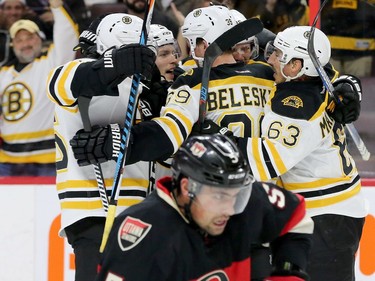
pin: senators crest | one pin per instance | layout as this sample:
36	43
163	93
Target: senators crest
198	149
131	232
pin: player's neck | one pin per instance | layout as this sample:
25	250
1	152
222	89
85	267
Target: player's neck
224	59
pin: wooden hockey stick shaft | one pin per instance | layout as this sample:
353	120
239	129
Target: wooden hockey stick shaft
129	119
83	106
224	42
365	154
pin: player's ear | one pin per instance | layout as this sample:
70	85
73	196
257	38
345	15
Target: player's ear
184	183
296	64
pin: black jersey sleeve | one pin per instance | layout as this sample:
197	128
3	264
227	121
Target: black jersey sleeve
285	224
88	83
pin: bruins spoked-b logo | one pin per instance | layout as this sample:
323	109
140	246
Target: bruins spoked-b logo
131	232
16	102
127	20
197	13
306	34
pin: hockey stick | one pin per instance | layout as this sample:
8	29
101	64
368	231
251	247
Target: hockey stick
365	154
129	119
83	105
228	39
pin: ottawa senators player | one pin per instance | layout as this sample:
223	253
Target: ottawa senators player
200	223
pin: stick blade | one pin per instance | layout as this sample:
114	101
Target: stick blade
237	33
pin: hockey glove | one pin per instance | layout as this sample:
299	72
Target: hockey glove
348	90
87	39
98	146
153	97
209	127
117	64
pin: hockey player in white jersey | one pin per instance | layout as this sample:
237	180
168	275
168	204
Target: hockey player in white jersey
307	150
26	125
83	215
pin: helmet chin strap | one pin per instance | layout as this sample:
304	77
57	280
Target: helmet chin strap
186	207
288	78
199	60
187	210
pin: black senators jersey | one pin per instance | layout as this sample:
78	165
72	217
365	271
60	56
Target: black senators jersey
153	240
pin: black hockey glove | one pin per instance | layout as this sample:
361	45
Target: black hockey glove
117	64
98	146
153	96
87	39
348	89
151	100
209	127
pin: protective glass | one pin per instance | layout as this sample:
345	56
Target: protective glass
231	200
164	53
248	48
270	49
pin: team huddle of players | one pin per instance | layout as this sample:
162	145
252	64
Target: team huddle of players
269	165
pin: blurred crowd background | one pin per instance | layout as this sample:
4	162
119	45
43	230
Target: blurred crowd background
349	25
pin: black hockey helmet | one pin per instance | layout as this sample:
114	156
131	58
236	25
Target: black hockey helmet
212	160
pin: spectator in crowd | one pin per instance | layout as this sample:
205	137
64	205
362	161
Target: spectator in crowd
10	12
88	3
277	15
13	10
249	8
26	126
77	8
138	7
183	6
349	26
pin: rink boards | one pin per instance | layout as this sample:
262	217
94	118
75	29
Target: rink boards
30	220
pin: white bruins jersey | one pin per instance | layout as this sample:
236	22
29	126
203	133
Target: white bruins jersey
76	186
27	114
307	149
237	94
